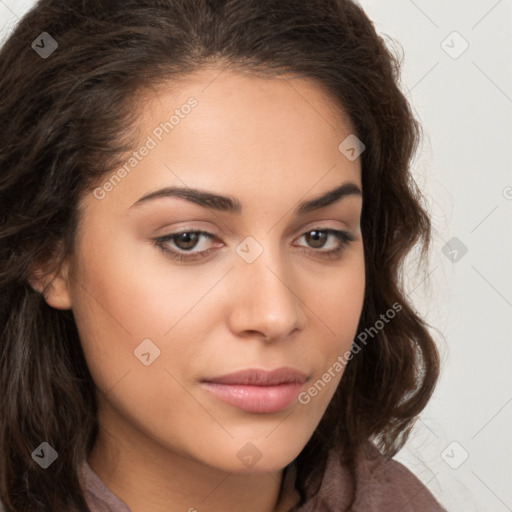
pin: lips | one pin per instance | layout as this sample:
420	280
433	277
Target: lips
256	390
256	377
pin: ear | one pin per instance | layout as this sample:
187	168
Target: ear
52	283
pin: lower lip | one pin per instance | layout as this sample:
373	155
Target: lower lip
261	399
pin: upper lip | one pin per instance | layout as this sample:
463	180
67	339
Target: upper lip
259	377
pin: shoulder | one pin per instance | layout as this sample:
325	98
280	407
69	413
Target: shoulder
385	484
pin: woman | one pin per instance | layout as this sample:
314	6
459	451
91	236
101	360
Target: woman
205	208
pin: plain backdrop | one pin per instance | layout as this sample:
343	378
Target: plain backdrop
457	74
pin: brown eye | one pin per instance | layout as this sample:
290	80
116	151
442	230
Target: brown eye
326	243
187	240
186	245
316	239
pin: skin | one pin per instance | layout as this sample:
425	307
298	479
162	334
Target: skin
165	442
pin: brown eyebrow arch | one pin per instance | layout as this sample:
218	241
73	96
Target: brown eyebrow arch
232	205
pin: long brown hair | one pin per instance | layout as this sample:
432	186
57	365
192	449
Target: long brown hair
64	122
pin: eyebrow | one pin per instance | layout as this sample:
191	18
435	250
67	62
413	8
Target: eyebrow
230	204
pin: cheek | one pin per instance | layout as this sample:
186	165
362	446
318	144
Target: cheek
339	306
339	302
125	293
123	309
130	287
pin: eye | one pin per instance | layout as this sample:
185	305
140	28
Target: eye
186	245
318	239
183	243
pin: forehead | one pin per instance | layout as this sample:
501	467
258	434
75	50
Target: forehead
225	131
229	100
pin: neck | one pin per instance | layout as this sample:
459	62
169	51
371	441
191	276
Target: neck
150	478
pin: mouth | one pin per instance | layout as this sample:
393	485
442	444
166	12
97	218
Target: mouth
256	390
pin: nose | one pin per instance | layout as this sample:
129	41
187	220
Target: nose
265	299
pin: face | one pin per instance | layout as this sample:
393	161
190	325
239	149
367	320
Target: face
172	290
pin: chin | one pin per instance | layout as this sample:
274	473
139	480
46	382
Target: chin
258	455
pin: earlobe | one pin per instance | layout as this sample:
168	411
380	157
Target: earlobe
54	286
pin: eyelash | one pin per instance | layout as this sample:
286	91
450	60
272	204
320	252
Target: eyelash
343	237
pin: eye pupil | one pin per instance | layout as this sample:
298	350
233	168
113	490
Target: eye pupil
186	240
316	238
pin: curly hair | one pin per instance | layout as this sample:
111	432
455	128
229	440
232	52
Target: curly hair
65	122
